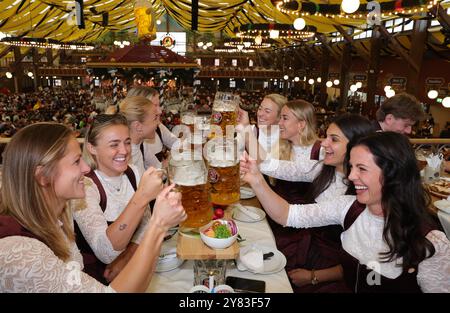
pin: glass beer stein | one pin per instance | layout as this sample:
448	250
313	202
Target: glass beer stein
190	176
223	155
188	119
224	112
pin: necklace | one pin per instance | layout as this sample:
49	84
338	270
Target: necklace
108	182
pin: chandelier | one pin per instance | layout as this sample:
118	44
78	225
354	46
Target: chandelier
274	31
241	43
44	43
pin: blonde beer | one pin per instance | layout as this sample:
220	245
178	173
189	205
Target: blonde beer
197	206
223	173
223	119
224	112
224	184
190	176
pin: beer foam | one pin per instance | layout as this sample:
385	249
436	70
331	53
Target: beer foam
223	163
188	173
222	152
187	119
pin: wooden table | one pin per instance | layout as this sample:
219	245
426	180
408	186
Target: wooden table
193	248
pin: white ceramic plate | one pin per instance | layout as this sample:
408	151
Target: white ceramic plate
443	205
255	216
271	265
168	261
247	193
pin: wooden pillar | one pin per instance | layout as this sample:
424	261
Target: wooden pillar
18	71
36	78
418	41
373	71
325	65
344	76
49	55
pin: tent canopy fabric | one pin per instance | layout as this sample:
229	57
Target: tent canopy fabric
48	18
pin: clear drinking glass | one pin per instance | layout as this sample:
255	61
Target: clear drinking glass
190	176
224	112
223	156
203	269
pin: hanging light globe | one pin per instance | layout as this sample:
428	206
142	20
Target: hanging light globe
8	75
446	102
286	77
319	79
311	81
358	85
386	88
296	78
336	82
258	39
390	93
329	84
353	88
432	94
350	6
299	23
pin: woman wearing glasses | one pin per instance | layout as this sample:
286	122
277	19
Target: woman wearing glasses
43	169
115	214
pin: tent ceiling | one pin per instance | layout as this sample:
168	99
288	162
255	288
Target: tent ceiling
47	18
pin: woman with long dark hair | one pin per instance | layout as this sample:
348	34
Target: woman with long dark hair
388	243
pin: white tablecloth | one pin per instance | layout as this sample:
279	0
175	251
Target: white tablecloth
180	280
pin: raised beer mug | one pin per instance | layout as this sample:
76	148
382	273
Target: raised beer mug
224	113
188	120
190	176
223	156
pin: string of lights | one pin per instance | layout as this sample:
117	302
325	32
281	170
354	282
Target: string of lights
260	32
391	8
44	43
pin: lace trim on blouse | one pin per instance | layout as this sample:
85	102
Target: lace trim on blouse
28	265
300	168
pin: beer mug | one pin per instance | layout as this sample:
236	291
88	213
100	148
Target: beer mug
190	176
224	112
188	119
223	156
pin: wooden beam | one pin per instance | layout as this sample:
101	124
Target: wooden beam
398	48
372	73
418	42
344	76
5	51
361	52
324	69
323	39
300	56
441	15
311	55
342	31
17	65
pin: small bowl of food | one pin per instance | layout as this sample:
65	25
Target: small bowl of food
219	234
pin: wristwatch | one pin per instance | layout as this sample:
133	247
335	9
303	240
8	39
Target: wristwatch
314	280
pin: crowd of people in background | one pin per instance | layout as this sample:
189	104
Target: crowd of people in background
75	107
